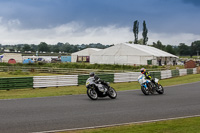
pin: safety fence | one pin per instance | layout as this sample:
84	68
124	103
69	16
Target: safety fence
107	77
16	83
126	77
74	80
166	74
55	81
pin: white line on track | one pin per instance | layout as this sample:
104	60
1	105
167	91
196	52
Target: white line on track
112	125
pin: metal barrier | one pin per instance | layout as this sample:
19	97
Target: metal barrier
73	80
16	83
189	71
155	74
182	72
126	77
166	74
194	70
55	81
175	73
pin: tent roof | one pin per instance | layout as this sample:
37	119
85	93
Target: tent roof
28	61
134	49
86	52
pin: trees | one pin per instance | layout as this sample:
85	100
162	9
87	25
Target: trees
55	48
195	48
140	41
43	47
170	49
135	31
26	48
183	49
144	33
159	45
18	48
34	47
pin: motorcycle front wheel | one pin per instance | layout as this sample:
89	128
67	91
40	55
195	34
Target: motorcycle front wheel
92	94
112	93
160	89
144	90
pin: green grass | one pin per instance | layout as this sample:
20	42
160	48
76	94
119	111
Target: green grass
181	80
23	74
186	125
74	90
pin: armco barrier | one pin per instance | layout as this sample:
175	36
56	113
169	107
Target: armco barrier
175	73
166	74
55	81
107	77
156	74
16	83
190	71
126	77
182	72
73	80
194	70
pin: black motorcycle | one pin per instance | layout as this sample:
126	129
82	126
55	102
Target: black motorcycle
97	89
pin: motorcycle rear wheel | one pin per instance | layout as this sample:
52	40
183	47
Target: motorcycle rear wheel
92	94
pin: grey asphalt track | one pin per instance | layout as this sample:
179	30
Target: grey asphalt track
77	111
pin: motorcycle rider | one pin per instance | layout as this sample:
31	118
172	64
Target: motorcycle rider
147	75
92	74
98	80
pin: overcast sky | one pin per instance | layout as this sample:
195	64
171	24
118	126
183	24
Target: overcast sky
98	21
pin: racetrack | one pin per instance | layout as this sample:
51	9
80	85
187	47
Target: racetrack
78	111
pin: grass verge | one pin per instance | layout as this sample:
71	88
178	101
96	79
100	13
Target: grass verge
23	74
186	125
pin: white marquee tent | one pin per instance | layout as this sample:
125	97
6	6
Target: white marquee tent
132	54
84	52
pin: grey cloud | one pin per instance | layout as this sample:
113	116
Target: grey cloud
194	2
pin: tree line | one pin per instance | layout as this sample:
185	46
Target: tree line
181	50
56	48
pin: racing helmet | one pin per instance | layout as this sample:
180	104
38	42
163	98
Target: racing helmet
92	74
142	70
